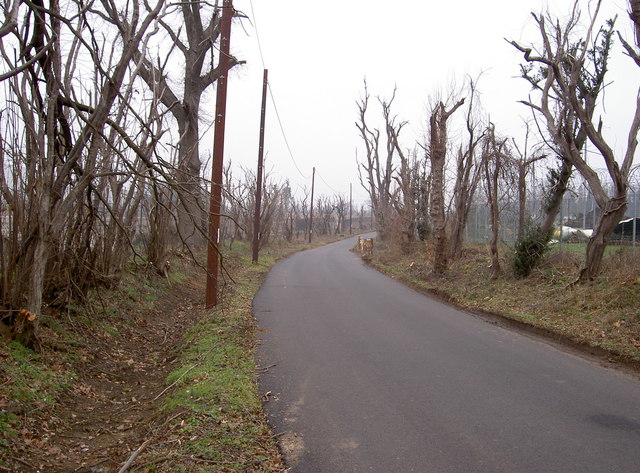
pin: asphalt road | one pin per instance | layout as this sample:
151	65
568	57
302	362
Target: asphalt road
371	376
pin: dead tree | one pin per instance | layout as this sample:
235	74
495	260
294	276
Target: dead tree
325	210
194	35
405	197
494	161
564	61
341	206
374	174
76	196
523	164
469	165
437	154
589	84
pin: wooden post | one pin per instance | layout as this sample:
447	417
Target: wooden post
313	180
256	218
213	257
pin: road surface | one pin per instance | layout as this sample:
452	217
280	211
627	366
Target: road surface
371	376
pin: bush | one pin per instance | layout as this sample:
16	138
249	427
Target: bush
529	250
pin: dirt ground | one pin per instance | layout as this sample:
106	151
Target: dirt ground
110	410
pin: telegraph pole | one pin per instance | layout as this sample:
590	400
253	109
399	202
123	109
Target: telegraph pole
313	180
256	218
213	256
350	208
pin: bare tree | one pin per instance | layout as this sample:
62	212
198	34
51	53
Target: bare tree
524	163
193	35
78	188
341	206
378	175
494	161
405	196
437	154
564	61
469	165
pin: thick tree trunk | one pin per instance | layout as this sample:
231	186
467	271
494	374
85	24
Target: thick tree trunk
555	197
436	211
609	219
191	211
493	244
522	201
437	156
494	205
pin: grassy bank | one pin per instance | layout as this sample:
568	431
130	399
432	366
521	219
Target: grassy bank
603	314
214	392
143	376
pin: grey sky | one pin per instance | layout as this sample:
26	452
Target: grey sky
318	54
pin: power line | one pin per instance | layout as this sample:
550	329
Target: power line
284	135
255	26
273	100
326	183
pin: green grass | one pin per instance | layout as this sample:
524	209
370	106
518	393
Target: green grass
213	393
216	381
30	384
581	248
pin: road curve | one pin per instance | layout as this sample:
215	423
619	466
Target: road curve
367	375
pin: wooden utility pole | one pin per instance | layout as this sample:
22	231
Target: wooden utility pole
350	208
213	256
313	181
256	218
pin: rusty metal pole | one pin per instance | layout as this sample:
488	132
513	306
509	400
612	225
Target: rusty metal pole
256	218
213	256
313	181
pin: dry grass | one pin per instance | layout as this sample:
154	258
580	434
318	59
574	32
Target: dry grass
603	314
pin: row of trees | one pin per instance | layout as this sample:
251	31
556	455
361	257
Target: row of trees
100	160
99	141
284	215
427	190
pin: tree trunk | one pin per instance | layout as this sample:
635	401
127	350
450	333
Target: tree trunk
555	197
522	200
492	187
612	214
436	211
191	211
635	17
437	156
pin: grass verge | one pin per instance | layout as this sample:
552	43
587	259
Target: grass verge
214	391
217	421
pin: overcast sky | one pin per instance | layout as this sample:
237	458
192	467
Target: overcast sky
318	54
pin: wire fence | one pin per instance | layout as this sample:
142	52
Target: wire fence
578	211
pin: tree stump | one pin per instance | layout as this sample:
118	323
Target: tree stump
24	328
